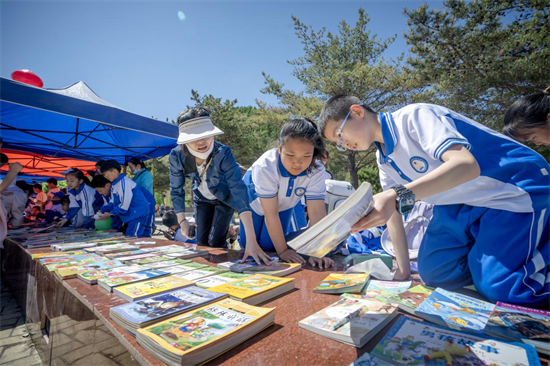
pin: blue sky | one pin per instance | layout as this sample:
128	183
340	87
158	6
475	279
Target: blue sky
139	56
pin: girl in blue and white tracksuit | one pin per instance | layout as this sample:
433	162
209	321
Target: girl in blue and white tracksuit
84	201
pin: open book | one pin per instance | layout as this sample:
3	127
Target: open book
324	236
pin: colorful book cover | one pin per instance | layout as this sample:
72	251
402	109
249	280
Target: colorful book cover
176	269
112	248
455	310
125	253
94	275
413	297
220	279
73	271
350	319
170	263
251	286
161	306
368	360
152	287
274	269
138	256
165	247
131	277
56	254
186	333
385	291
518	323
342	282
200	273
418	343
147	260
65	258
53	266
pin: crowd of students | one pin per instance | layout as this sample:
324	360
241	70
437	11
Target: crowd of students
490	225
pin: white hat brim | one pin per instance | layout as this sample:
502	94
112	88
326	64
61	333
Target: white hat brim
198	132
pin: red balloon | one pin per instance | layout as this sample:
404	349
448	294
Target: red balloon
27	77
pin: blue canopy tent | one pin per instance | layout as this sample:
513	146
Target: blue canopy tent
75	122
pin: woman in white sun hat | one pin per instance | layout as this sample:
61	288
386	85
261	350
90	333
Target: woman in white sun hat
218	189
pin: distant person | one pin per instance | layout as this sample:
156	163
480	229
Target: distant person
53	205
66	207
127	201
170	220
41	197
98	166
142	176
12	197
103	186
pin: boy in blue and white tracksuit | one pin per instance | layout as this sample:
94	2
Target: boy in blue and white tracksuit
127	201
490	229
84	201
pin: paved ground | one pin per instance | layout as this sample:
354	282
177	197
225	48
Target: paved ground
16	346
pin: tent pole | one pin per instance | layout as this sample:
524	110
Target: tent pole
125	163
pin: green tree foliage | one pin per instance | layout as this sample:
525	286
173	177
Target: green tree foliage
480	56
349	62
370	174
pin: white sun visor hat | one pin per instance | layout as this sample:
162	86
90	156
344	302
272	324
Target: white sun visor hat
196	129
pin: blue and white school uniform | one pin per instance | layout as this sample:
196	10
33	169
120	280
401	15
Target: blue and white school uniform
268	178
128	202
492	231
117	222
84	202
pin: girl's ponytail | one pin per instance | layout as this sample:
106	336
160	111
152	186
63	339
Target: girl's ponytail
527	113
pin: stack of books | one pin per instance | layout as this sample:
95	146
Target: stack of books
256	289
142	313
157	286
200	335
339	283
91	276
108	283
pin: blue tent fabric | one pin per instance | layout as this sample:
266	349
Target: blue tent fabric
75	122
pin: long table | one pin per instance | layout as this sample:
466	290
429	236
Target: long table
82	333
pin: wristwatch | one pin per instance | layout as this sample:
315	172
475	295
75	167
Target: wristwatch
404	202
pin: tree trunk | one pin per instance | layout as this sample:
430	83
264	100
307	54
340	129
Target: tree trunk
353	170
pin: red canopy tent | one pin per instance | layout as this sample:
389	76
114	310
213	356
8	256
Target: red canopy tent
36	164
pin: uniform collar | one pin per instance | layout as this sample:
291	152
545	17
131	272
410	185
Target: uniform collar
120	177
75	192
285	172
389	135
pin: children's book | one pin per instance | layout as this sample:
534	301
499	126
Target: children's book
147	260
409	342
522	324
165	248
72	246
413	297
73	271
137	256
176	269
324	236
82	261
199	335
256	289
368	360
157	286
385	291
277	269
350	320
143	313
56	254
220	279
339	283
91	276
455	310
187	254
119	247
200	273
249	261
65	258
169	263
126	253
128	278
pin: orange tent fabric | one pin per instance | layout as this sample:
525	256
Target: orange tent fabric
37	164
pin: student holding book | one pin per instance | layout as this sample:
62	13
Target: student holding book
218	189
127	201
490	225
277	181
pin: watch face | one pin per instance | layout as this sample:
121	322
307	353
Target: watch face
406	205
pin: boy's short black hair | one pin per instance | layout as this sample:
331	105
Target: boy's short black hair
110	164
4	158
37	186
170	218
52	181
336	109
65	200
99	163
99	181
